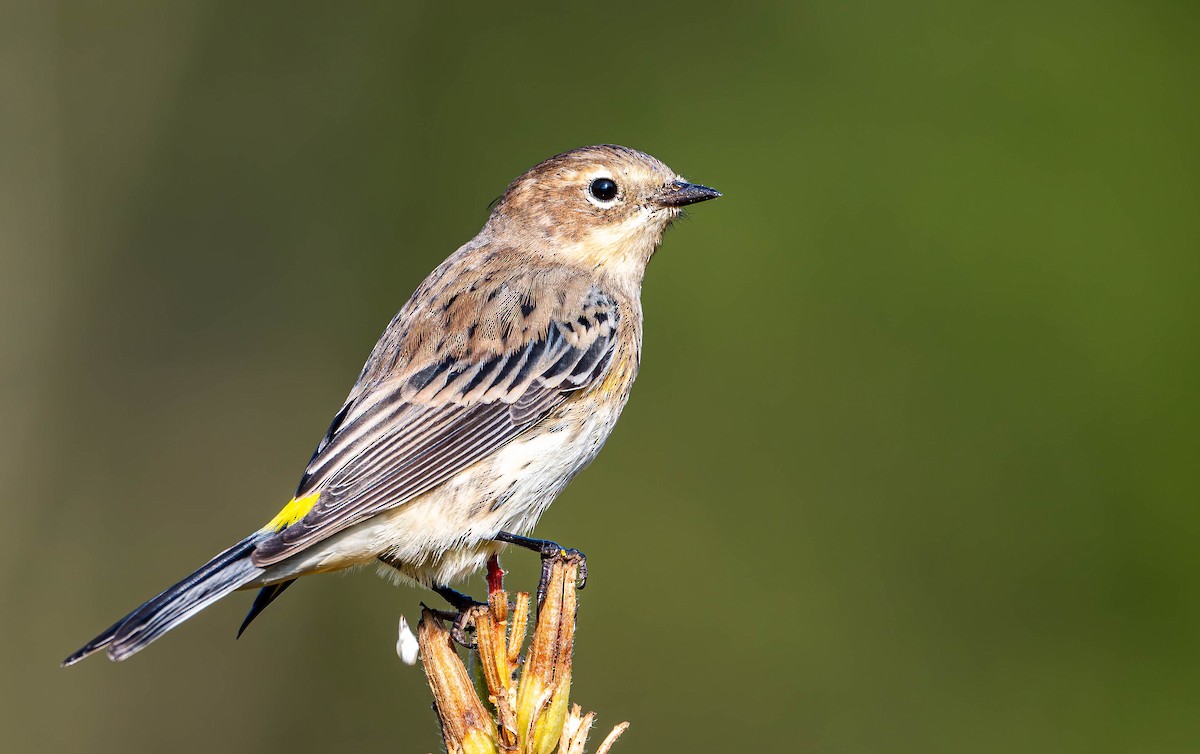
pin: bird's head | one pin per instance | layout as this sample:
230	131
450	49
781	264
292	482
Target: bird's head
604	206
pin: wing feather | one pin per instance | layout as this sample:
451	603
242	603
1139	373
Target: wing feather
407	434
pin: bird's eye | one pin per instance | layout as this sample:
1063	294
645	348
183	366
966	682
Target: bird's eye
603	189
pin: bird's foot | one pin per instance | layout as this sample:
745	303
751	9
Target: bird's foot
462	617
460	624
547	550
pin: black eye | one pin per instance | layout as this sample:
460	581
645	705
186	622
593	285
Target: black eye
604	189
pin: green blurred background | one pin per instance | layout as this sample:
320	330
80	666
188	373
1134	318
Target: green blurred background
911	463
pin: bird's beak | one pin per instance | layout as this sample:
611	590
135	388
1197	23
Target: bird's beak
681	193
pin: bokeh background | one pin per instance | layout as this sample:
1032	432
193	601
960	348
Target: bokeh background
911	465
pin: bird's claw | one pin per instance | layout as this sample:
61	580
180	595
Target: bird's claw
549	552
461	622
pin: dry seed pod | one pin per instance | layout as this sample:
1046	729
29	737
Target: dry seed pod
531	710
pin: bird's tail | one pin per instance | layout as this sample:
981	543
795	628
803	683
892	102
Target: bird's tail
218	577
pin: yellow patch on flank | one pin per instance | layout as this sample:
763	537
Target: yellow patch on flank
292	512
617	379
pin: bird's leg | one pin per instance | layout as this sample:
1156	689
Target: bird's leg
462	604
459	601
459	621
547	550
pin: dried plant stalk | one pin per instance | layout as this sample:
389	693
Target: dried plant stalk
466	724
532	714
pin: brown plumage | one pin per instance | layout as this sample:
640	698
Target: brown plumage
493	386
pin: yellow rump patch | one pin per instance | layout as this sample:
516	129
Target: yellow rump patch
292	512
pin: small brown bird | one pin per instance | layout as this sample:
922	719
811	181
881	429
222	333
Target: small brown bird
488	392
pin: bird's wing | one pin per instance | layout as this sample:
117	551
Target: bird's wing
406	435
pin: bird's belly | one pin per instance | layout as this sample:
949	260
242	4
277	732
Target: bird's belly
446	533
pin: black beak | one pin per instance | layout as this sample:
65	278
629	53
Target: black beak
680	194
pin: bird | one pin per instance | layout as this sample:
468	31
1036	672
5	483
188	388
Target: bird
489	391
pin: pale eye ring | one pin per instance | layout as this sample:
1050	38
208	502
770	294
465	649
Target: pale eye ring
603	192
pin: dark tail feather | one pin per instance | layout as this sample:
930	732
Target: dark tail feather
218	577
266	596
